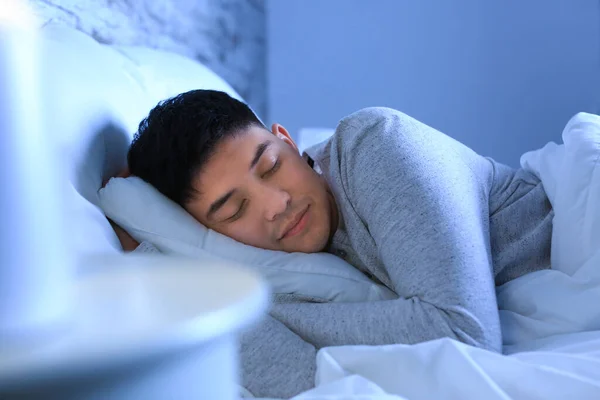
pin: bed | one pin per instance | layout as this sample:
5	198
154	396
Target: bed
550	319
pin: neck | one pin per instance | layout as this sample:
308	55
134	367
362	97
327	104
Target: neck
334	216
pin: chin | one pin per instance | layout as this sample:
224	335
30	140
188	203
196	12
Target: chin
318	245
311	246
315	240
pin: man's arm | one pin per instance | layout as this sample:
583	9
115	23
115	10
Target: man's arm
275	361
426	209
127	242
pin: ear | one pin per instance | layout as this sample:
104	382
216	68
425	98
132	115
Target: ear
283	134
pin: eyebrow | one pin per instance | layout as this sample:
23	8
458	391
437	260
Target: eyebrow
216	205
260	149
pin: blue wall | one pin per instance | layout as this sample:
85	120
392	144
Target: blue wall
502	77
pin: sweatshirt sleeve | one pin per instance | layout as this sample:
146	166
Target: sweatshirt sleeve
146	248
276	362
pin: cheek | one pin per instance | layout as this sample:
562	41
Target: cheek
249	230
299	178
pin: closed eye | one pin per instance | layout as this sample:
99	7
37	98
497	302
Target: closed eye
273	169
239	212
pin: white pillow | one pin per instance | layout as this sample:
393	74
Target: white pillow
557	301
95	103
149	216
570	174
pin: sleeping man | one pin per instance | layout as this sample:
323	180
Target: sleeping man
410	207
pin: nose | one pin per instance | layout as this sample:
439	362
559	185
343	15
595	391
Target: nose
276	202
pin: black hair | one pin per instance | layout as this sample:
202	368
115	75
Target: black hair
180	134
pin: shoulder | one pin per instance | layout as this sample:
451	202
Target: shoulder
361	141
368	116
369	127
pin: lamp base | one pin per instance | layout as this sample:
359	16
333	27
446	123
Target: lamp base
144	327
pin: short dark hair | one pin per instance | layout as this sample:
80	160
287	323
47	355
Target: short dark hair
180	134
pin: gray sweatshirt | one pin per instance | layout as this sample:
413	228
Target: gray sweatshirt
427	217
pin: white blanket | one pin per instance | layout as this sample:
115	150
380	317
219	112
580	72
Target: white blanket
550	319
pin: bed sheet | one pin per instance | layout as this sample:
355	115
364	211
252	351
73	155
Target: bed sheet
563	367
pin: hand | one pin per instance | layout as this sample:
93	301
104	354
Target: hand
127	242
123	174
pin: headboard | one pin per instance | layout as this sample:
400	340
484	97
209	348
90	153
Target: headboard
228	36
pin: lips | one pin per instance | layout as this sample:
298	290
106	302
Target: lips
297	225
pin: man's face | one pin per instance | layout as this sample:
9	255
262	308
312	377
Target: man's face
258	190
